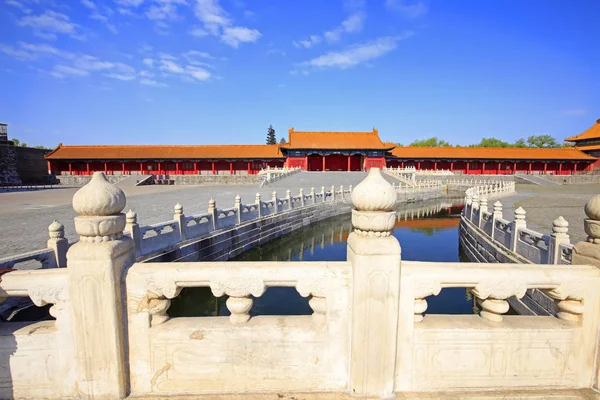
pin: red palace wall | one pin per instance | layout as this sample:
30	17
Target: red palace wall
497	167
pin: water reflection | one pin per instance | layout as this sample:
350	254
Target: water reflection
427	231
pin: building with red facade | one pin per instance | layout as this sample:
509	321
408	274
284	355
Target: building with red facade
323	151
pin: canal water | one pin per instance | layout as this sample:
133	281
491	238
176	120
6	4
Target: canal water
427	231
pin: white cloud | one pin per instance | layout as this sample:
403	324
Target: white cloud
151	82
216	22
146	74
311	41
121	77
101	16
48	24
194	53
357	54
169	65
33	51
408	8
149	62
19	5
15	52
129	3
235	35
353	24
575	112
62	71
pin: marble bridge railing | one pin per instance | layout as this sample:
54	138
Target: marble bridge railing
273	174
369	334
513	236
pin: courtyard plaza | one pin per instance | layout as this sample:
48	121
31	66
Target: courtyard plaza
25	216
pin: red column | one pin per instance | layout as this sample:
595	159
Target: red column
514	168
402	164
141	167
452	166
468	165
560	168
230	168
348	162
545	167
105	167
123	167
70	169
419	165
498	169
158	168
575	167
87	167
306	163
249	170
195	167
323	162
529	167
49	167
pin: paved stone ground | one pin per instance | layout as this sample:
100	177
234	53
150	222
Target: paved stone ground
544	204
25	216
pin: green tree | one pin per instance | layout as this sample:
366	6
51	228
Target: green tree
271	138
23	144
431	142
491	142
282	141
520	143
16	141
542	141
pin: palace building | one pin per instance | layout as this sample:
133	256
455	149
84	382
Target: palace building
323	151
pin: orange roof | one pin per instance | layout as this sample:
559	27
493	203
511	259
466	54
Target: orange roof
589	147
504	153
592	133
262	151
336	140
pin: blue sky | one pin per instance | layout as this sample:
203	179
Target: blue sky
221	71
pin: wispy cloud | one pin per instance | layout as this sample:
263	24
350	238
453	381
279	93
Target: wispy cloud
308	43
217	22
100	15
51	23
151	82
129	3
19	4
575	112
163	11
357	54
170	65
354	23
69	64
408	8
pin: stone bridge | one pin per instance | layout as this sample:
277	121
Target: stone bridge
369	336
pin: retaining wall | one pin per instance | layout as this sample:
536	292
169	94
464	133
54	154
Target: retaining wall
207	180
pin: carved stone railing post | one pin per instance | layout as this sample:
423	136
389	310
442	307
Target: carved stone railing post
301	194
96	264
559	236
518	224
374	255
179	217
275	205
288	196
212	210
496	215
474	206
332	193
350	189
58	243
588	252
133	229
237	204
323	194
341	192
258	202
312	195
482	209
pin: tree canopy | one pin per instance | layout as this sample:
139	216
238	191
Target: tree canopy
282	141
431	142
534	141
271	138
